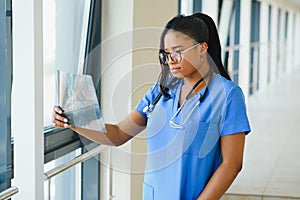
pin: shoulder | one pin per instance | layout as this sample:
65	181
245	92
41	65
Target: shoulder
153	91
229	88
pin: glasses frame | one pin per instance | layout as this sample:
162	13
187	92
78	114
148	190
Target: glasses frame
169	55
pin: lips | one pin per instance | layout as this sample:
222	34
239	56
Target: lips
174	69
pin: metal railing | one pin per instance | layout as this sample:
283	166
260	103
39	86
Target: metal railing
231	59
8	193
254	64
79	159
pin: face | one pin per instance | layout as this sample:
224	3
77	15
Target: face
190	65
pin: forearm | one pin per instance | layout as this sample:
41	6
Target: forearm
97	136
219	182
113	137
116	134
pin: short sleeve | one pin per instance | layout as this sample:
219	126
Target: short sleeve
147	99
234	116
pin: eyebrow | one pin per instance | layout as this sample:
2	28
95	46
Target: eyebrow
175	47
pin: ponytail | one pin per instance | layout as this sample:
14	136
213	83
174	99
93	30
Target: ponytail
214	46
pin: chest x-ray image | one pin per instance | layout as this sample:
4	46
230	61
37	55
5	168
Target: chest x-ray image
77	97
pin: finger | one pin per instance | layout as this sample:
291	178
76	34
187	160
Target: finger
60	118
58	110
67	125
59	124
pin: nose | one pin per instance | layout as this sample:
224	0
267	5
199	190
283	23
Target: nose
170	60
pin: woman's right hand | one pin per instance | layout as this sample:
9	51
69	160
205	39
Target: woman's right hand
59	119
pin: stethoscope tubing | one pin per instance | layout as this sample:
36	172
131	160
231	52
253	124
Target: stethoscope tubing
149	109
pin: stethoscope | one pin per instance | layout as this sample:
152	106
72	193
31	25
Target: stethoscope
149	109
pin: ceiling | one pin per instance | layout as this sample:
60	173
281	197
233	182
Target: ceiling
296	2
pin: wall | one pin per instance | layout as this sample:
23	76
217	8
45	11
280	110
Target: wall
129	54
116	65
150	17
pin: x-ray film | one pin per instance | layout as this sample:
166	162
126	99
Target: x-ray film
77	97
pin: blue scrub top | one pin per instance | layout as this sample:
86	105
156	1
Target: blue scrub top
180	162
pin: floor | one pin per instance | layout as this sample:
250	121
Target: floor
272	156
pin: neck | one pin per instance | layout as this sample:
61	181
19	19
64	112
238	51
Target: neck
192	80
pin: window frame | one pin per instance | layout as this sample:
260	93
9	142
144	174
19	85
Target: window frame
57	142
91	168
254	38
5	94
197	6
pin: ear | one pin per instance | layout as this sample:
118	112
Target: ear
204	47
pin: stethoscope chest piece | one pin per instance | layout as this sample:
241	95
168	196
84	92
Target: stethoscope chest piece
148	110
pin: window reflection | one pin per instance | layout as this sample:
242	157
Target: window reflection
65	32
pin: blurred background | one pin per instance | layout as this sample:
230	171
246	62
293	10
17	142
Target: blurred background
116	42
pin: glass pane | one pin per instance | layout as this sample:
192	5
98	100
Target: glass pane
5	95
65	31
66	185
186	7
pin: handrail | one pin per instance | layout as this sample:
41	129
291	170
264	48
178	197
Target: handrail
237	47
79	159
232	47
8	193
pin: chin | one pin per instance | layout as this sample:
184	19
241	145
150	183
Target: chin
177	75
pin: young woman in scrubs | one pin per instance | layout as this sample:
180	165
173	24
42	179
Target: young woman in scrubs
195	117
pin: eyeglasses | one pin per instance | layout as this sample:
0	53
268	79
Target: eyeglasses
175	56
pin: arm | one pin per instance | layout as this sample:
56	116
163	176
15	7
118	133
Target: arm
232	149
117	134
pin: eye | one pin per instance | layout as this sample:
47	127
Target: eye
175	56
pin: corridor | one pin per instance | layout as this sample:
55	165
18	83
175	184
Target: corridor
272	154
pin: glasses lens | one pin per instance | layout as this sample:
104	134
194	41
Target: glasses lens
163	58
176	57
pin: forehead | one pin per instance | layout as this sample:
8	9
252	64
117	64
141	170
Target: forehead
175	38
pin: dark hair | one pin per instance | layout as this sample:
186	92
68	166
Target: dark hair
201	28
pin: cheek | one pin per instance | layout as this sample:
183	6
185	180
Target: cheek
189	64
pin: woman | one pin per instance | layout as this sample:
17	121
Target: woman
195	117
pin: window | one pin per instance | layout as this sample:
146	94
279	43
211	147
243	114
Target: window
285	40
5	95
189	6
230	45
56	187
278	44
269	44
65	35
254	51
71	32
232	49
